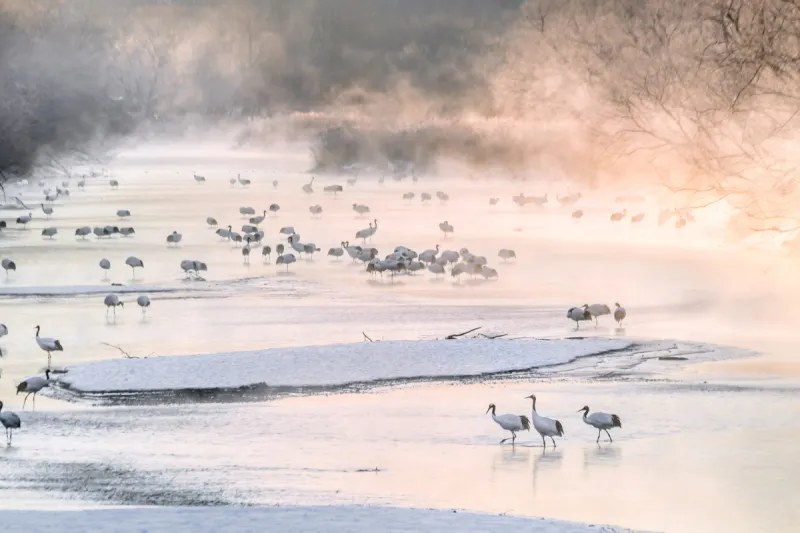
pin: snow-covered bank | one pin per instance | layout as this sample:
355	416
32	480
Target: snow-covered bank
331	365
285	519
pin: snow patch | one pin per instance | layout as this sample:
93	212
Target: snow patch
333	519
331	365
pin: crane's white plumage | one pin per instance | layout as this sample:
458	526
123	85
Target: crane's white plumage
48	345
598	310
579	314
619	314
512	423
600	421
546	427
33	385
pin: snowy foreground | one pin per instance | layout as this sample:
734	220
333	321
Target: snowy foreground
331	365
285	519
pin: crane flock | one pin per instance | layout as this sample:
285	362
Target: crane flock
402	259
550	427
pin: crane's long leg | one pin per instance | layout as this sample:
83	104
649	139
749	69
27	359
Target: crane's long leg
609	436
513	437
554	441
34	401
599	431
544	443
25	400
48	359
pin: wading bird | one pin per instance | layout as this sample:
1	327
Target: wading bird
134	262
512	423
143	302
10	421
598	310
112	301
546	427
619	314
578	314
48	345
600	421
33	385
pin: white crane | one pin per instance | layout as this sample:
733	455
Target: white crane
619	314
123	213
83	231
512	423
49	232
601	422
367	233
47	210
435	269
174	238
352	251
446	228
579	314
598	310
144	302
111	301
361	209
134	262
225	233
429	256
105	264
212	222
8	264
10	421
505	254
286	259
546	427
33	385
258	219
336	252
307	188
48	345
24	219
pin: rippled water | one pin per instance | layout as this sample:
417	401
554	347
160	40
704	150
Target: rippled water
698	449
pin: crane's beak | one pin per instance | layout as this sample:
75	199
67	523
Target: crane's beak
530	397
579	411
489	409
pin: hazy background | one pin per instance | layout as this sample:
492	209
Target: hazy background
699	98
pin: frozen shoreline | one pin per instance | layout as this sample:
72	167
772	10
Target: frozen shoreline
295	519
331	365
